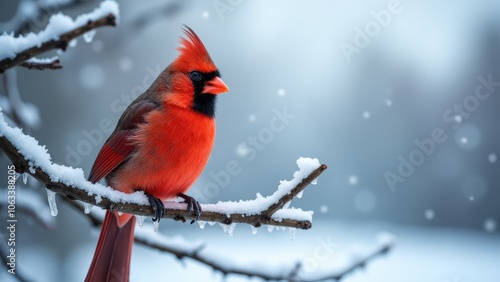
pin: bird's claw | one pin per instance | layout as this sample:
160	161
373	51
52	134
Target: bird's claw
158	206
192	206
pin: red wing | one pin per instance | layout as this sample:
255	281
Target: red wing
118	147
113	153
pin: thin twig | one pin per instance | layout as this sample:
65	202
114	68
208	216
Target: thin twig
337	275
52	65
293	193
176	212
61	43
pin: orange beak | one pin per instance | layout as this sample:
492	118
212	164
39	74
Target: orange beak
215	86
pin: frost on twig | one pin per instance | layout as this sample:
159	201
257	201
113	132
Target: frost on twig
60	31
29	157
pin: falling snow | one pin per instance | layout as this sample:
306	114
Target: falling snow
492	158
92	76
252	118
323	209
205	14
490	225
242	149
429	214
366	114
388	103
125	64
353	180
281	92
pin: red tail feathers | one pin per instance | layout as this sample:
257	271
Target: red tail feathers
111	260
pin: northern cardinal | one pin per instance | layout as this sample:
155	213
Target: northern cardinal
161	145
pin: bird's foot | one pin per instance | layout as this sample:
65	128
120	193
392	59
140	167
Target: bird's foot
192	206
158	206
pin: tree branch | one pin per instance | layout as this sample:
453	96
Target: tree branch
52	65
61	43
201	254
175	211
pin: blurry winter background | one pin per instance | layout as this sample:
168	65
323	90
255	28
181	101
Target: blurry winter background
364	83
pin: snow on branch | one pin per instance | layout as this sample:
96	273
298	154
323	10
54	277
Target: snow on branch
42	64
29	157
57	34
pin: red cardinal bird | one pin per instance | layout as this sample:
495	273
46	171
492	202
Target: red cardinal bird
161	145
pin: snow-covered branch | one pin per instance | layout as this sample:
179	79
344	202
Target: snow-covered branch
42	64
31	158
57	35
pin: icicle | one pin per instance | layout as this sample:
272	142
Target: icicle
140	220
87	207
89	35
202	224
51	196
73	43
292	233
229	228
25	178
270	228
120	213
299	195
156	225
254	230
314	182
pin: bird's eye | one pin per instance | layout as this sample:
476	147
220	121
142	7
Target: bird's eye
195	75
